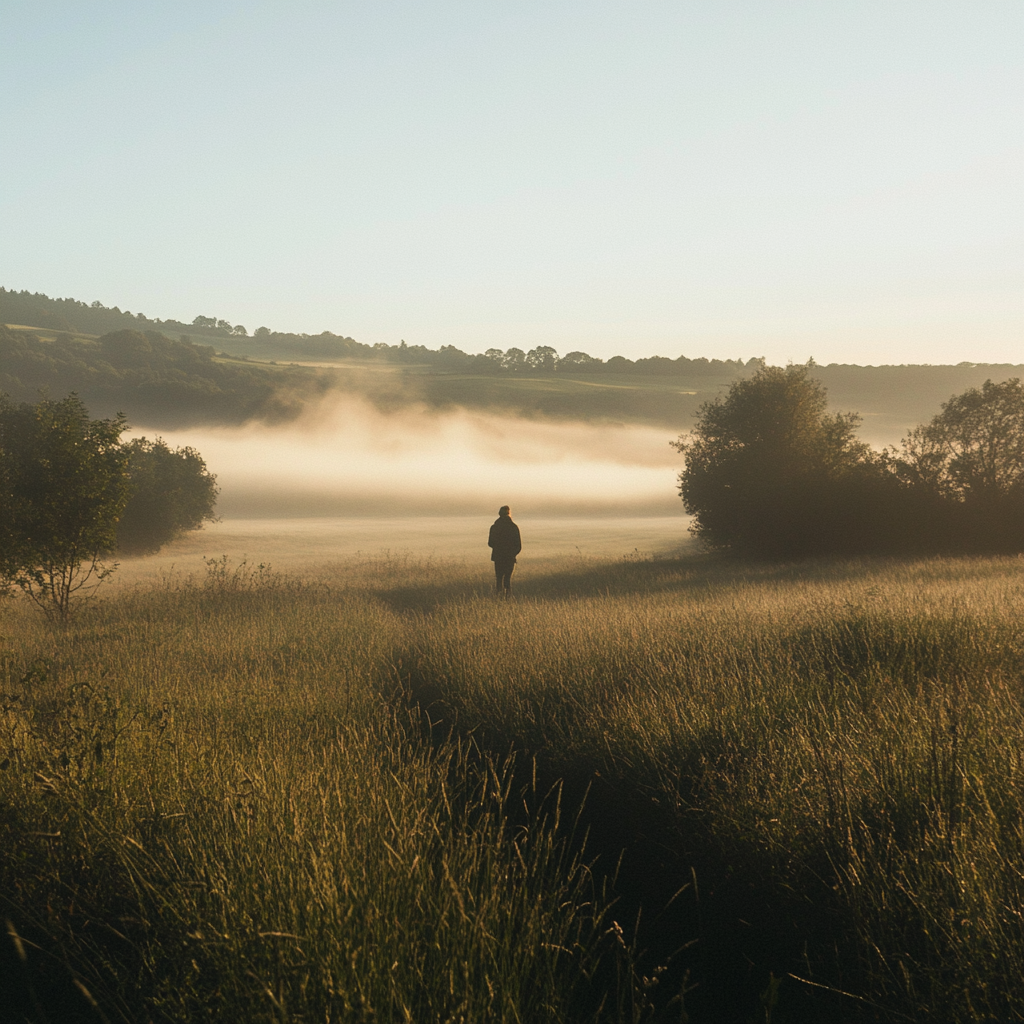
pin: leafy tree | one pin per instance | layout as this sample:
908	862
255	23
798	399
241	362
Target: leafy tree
974	449
171	493
514	360
971	456
64	485
127	349
577	361
543	359
619	364
770	472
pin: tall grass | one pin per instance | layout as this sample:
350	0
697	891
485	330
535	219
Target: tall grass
213	811
356	797
842	741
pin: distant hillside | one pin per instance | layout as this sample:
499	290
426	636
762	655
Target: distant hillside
893	399
34	309
154	380
204	371
160	382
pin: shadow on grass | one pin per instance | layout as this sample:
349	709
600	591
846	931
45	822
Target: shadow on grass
577	579
701	913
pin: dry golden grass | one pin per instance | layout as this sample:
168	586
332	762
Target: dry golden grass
221	797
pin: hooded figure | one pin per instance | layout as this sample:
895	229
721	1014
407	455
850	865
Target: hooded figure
505	543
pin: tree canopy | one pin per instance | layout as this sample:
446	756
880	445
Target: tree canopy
768	467
769	471
974	449
65	484
970	458
72	494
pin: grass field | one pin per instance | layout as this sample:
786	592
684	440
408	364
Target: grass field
682	788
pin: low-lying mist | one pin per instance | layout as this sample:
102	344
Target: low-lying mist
349	458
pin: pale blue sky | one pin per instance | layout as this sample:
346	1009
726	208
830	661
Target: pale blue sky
789	179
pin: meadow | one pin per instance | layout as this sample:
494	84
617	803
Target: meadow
680	788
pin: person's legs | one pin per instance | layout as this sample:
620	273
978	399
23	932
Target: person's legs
503	578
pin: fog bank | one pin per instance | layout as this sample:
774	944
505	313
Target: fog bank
347	458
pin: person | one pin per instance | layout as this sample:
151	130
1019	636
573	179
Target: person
505	543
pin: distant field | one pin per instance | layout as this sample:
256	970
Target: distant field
664	402
46	334
315	544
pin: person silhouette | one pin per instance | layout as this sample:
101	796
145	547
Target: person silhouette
505	543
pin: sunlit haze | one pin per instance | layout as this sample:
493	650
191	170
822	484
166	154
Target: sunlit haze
348	459
723	179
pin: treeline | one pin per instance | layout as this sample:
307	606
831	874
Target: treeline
770	472
34	309
152	379
169	374
540	361
163	383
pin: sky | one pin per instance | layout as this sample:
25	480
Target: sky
836	180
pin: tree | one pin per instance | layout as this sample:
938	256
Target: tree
64	485
578	361
770	472
171	492
127	349
542	359
514	359
971	457
974	449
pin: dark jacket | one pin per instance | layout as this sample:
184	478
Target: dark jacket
504	540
